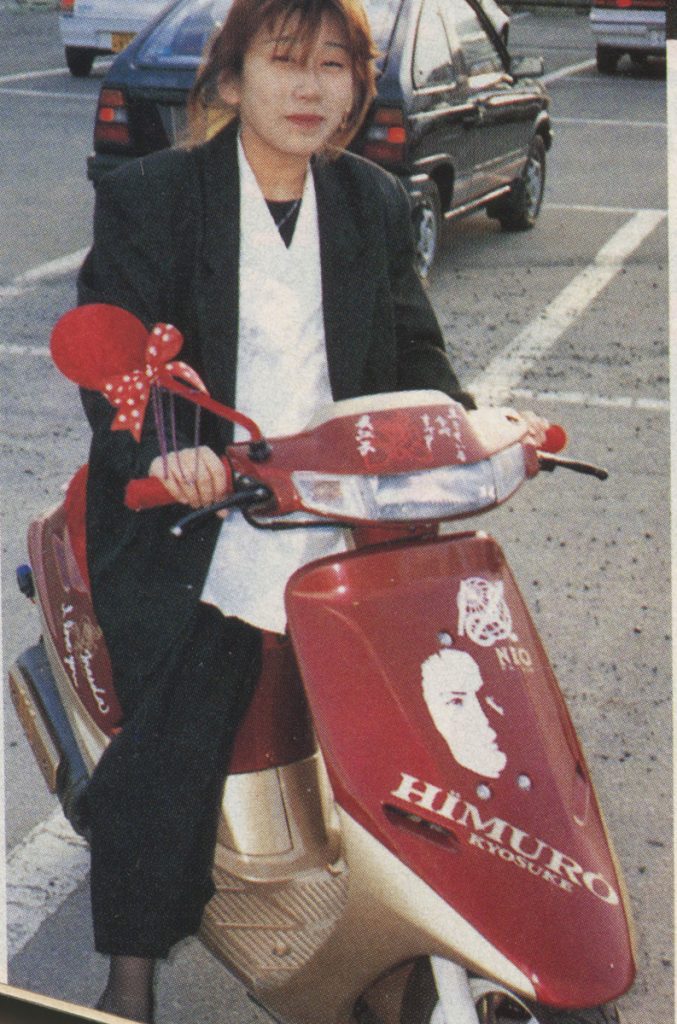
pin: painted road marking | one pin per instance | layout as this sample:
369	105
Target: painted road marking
52	270
593	401
598	122
42	94
572	69
495	384
28	76
42	871
628	211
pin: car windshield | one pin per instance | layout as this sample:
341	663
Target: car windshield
180	37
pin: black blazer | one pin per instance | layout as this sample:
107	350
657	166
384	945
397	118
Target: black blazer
166	248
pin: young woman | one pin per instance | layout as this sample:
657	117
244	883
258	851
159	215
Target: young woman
287	265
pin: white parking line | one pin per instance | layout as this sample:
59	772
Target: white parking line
52	270
27	76
7	348
43	94
495	385
41	872
598	122
593	401
628	211
571	69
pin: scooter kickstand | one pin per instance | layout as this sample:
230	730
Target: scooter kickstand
451	981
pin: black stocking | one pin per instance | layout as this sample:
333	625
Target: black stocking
129	990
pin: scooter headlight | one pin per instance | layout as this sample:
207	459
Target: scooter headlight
424	495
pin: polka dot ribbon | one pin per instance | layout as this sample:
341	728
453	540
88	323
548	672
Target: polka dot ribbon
129	392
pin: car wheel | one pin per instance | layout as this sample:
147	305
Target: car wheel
607	60
79	60
519	210
427	221
639	59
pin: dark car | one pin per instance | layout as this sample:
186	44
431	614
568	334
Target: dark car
461	122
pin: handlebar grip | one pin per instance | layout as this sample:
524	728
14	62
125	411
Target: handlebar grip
147	492
555	439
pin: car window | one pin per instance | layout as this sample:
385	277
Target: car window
433	64
179	39
480	56
382	16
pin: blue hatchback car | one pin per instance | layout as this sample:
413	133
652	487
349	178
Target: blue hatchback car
460	121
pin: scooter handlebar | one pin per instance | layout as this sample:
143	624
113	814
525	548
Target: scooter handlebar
150	492
147	492
555	439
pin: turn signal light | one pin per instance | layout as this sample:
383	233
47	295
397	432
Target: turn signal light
66	6
112	120
386	137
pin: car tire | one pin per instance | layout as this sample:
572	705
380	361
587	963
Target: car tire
518	211
427	221
607	59
79	60
639	59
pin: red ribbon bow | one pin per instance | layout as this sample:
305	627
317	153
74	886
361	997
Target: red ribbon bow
129	392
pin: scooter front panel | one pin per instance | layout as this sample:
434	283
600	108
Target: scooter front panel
446	736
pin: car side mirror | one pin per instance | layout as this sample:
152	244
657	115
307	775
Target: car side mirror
526	67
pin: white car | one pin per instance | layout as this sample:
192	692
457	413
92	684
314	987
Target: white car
92	27
636	27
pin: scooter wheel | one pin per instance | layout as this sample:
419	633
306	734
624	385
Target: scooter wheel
494	1005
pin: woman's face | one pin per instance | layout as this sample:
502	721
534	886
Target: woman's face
292	99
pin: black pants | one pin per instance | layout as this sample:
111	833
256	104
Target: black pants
154	799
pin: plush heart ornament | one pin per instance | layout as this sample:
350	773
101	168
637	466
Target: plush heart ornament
105	348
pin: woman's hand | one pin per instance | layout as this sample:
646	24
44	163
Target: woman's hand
193	476
537	428
496	426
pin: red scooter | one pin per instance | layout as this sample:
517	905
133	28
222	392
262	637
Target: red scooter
409	831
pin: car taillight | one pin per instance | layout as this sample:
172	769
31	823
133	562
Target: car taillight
643	5
66	6
385	140
112	121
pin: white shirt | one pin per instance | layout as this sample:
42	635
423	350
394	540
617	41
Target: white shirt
282	378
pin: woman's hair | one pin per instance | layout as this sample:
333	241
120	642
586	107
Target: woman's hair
224	57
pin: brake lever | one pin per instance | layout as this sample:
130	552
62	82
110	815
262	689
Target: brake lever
254	494
549	463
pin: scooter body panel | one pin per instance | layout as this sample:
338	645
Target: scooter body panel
76	641
276	729
460	757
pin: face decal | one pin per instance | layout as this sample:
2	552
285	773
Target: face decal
451	681
483	614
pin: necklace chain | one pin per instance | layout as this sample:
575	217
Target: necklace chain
289	213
